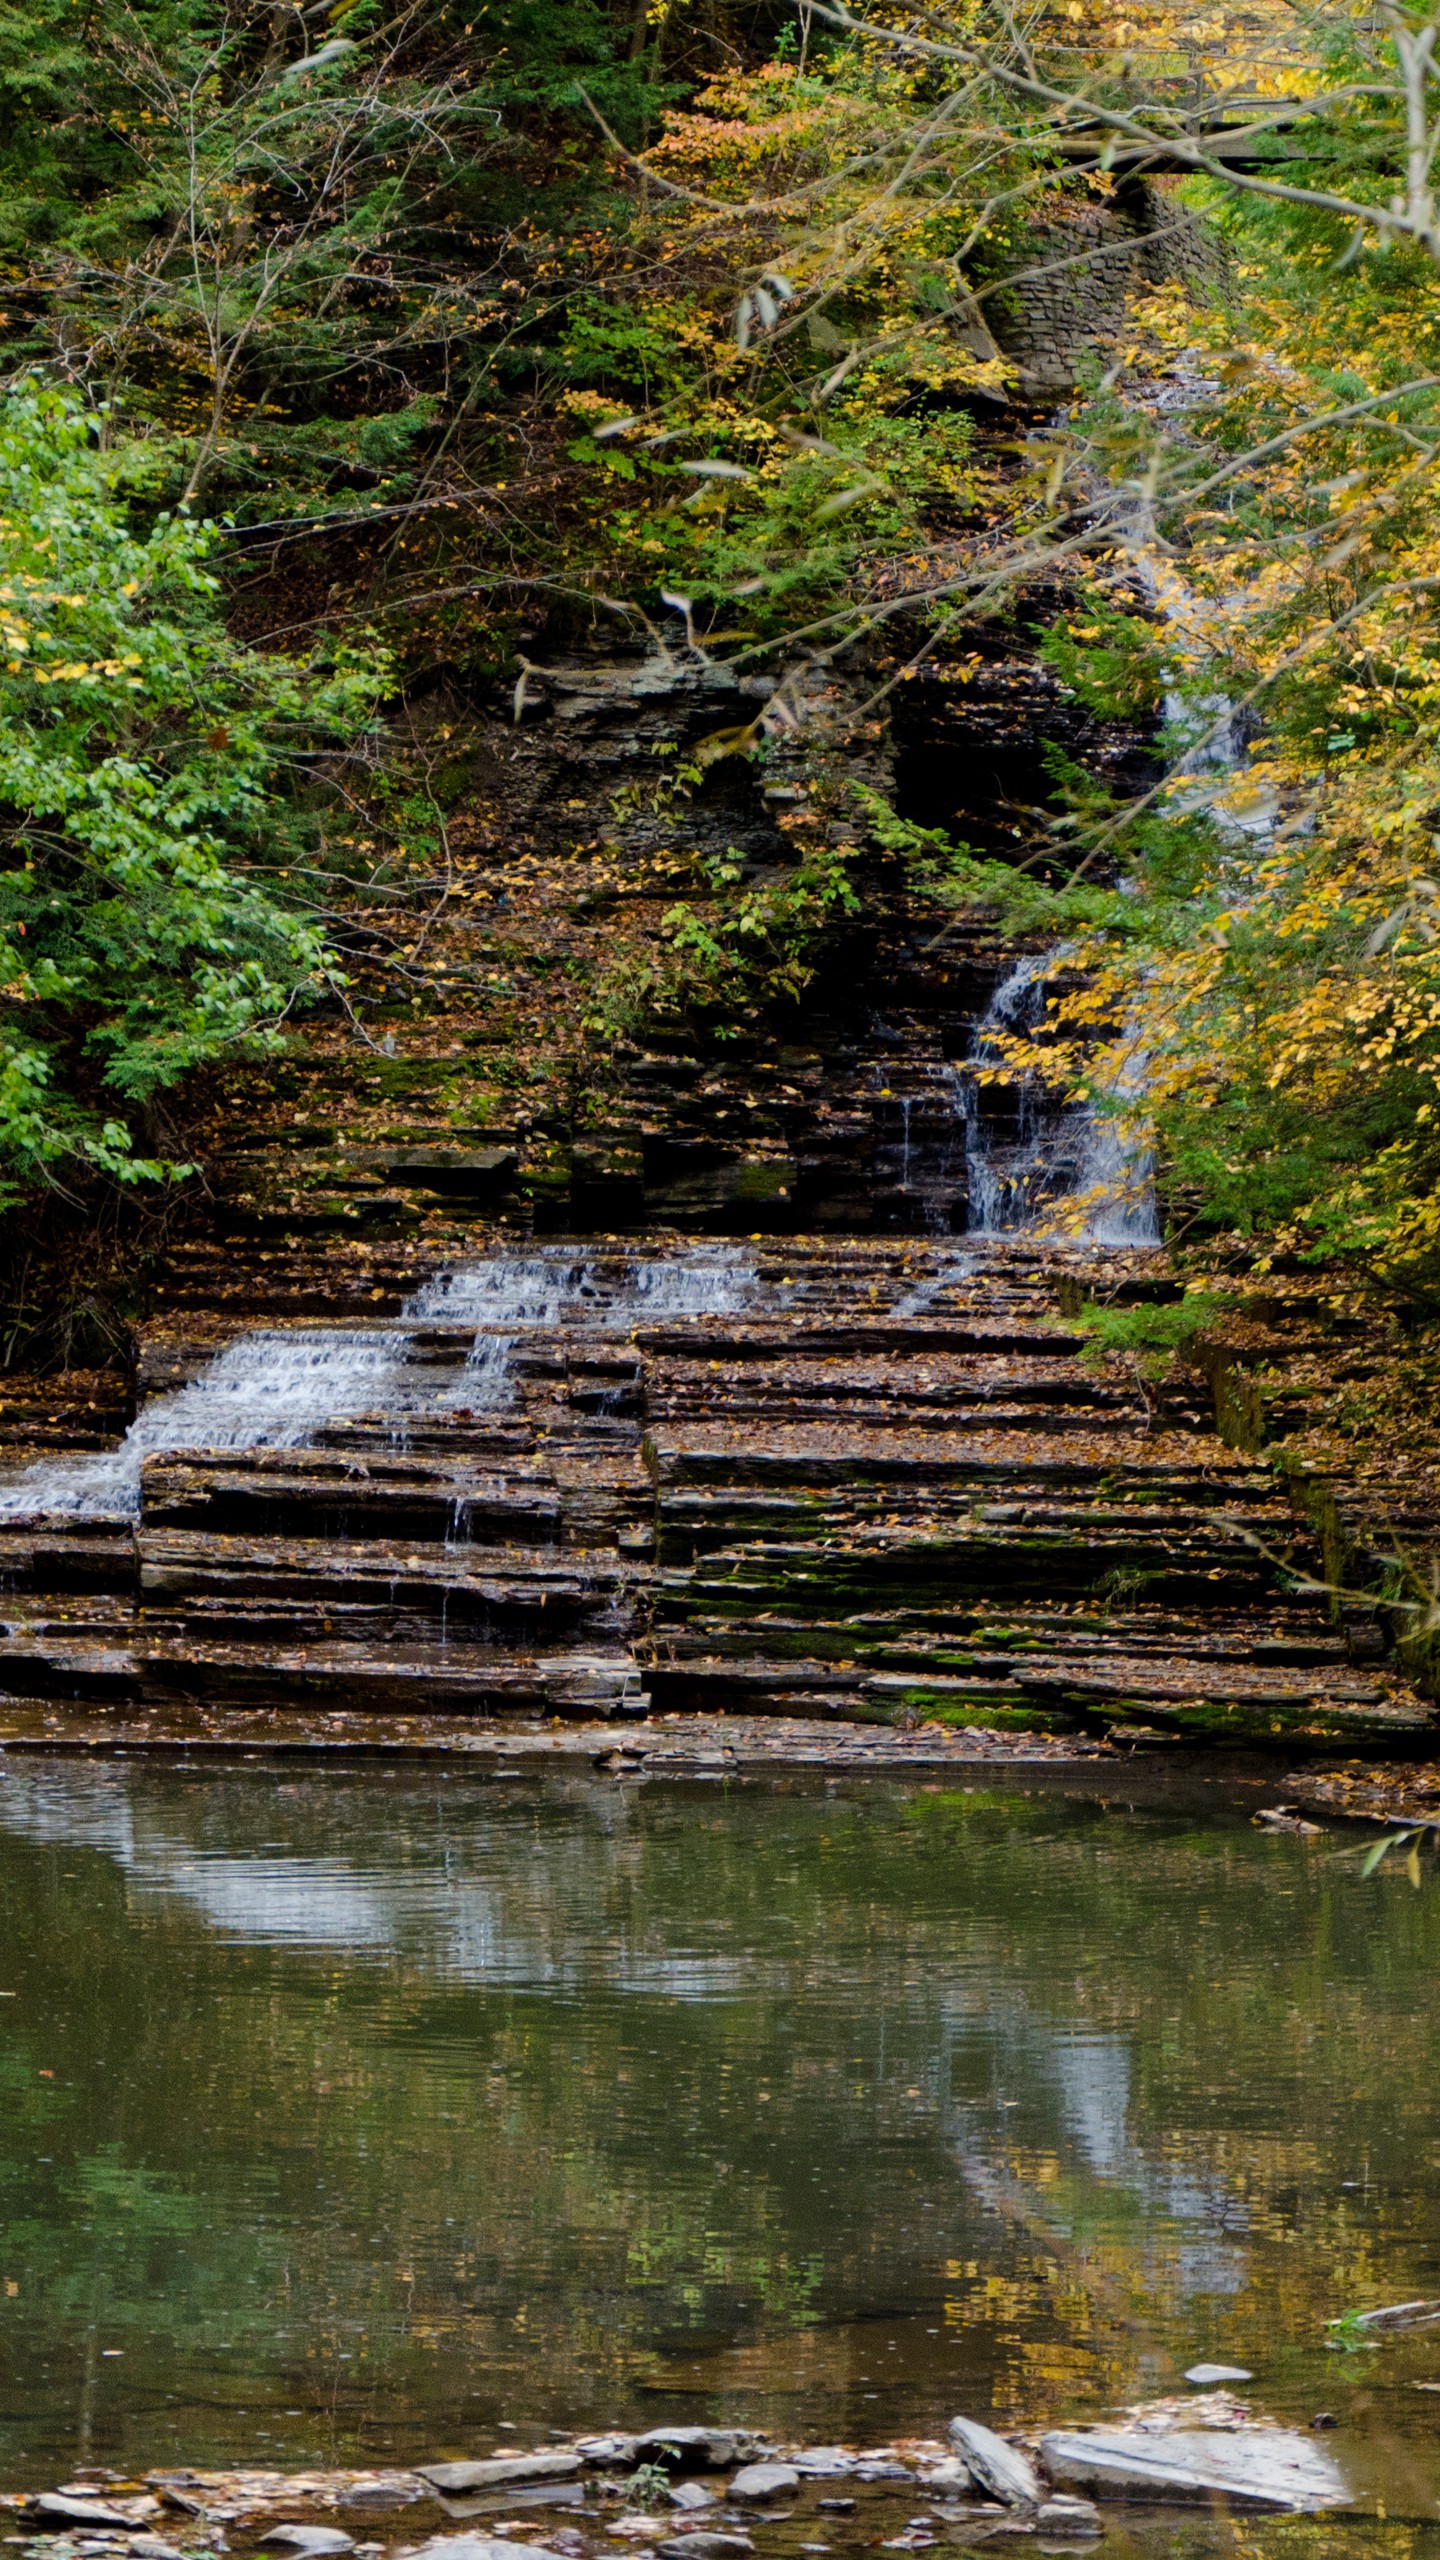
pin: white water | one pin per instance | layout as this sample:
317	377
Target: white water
267	1391
1069	1152
565	1286
273	1390
1005	1182
568	1284
1119	1171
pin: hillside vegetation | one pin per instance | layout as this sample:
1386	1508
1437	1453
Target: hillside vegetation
363	350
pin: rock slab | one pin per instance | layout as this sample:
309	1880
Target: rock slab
498	2471
692	2448
311	2541
477	2546
707	2546
995	2466
53	2508
760	2482
1268	2469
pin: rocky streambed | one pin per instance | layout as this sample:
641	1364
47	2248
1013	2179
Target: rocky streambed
711	2493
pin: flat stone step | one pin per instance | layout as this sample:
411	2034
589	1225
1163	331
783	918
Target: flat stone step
889	1491
1182	1699
434	1678
800	1338
799	1453
176	1563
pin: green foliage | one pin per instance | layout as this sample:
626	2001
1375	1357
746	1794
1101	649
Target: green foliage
257	229
762	941
1108	657
1155	1333
783	524
1021	901
647	2486
147	762
1349	2334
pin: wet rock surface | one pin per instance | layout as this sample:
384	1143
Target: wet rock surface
1228	2458
1272	2470
871	1488
759	2484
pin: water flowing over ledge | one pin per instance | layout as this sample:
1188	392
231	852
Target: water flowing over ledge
275	1390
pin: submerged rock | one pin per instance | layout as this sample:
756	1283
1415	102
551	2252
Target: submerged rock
995	2466
1210	2373
1393	2315
688	2495
1067	2516
1267	2468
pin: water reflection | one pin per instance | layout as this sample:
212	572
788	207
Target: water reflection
363	2110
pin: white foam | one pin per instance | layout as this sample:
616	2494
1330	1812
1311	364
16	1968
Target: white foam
275	1390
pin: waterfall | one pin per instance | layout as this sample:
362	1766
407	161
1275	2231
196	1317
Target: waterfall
275	1390
269	1390
1057	1151
1121	1172
563	1286
1082	1150
578	1285
1006	1183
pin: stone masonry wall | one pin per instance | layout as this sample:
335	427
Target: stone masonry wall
1092	261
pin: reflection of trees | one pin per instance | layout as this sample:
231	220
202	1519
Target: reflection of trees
428	2102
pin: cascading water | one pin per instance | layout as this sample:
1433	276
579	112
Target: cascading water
274	1390
1095	1155
267	1391
1053	1152
562	1286
1005	1181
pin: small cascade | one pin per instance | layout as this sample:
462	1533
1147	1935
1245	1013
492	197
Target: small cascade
589	1291
927	1297
1121	1175
1009	1175
898	1488
921	1157
278	1390
269	1390
1040	1153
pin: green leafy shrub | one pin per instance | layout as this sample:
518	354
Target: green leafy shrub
147	761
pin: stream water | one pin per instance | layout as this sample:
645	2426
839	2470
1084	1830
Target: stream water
361	2114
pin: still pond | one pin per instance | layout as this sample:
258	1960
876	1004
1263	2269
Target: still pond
361	2115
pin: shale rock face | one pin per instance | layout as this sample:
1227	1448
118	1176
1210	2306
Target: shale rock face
866	1481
